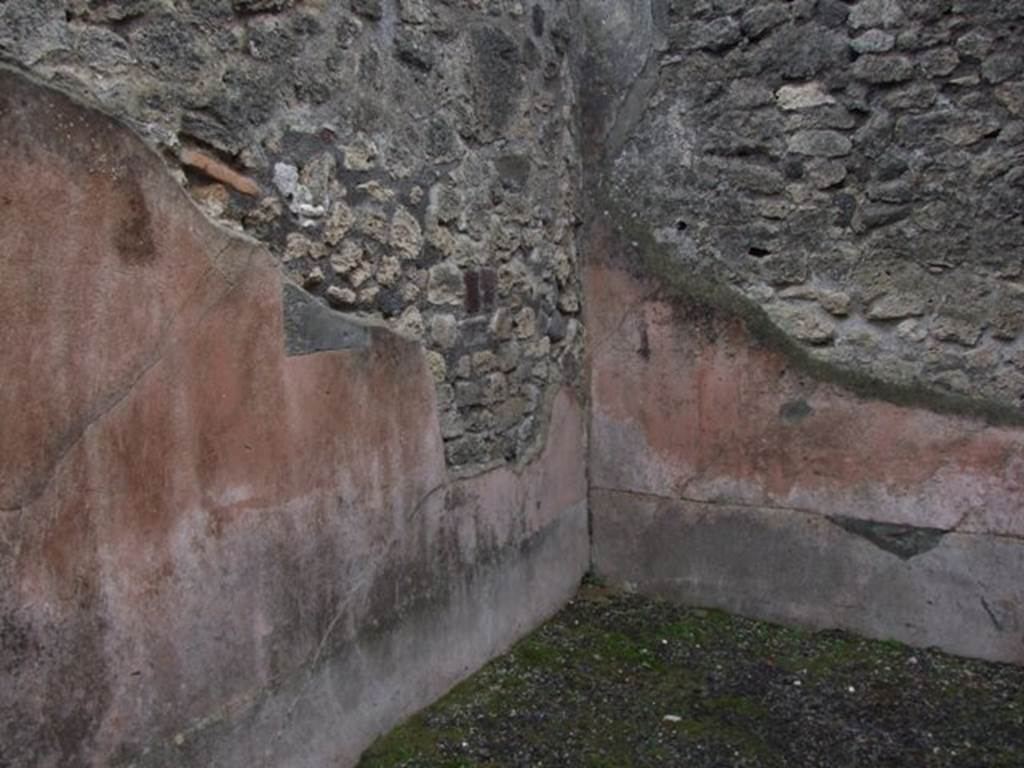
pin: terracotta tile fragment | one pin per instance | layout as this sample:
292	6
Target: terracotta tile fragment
215	169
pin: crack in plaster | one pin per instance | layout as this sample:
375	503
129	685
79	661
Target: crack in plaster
109	403
801	511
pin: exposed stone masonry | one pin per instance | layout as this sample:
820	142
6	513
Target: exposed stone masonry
229	530
855	168
409	162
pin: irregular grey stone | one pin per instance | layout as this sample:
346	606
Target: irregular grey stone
883	69
826	117
835	302
826	173
406	236
975	43
316	177
895	306
444	331
912	96
556	327
1011	96
286	179
961	331
371	9
314	279
919	36
747	94
1008	324
361	154
874	215
873	41
510	413
415	48
260	6
803	322
938	62
1001	66
494	388
762	18
468	393
819	143
876	13
792	97
497	77
970	129
411	324
438	367
833	12
445	284
717	35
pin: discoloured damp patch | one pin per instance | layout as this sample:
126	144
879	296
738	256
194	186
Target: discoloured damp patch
795	411
134	240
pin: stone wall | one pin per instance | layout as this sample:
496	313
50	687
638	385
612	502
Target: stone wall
409	162
804	302
263	494
227	532
725	471
854	168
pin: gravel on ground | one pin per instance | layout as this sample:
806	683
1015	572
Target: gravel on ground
618	680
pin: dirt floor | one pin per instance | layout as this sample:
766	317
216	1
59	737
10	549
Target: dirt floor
617	680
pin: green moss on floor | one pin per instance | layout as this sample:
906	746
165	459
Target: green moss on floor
617	680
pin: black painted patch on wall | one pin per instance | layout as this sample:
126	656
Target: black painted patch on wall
904	541
310	327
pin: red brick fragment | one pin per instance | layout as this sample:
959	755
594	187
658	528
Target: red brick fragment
215	169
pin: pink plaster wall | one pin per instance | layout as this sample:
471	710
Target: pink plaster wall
212	553
722	475
702	414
